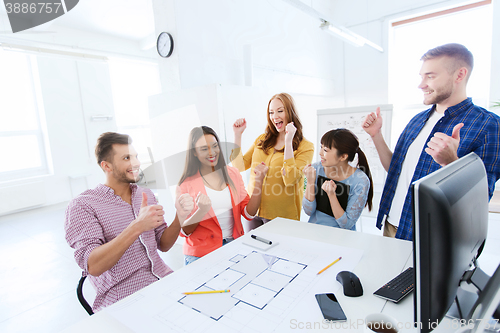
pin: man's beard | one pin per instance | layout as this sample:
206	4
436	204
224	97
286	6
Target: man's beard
442	94
122	177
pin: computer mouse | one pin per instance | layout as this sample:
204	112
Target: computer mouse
350	282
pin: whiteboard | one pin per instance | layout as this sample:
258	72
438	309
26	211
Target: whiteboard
352	118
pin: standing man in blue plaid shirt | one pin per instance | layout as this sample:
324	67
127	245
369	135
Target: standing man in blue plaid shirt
450	129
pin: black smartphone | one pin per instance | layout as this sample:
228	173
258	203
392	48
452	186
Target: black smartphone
330	307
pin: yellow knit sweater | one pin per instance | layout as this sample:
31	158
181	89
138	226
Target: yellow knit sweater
283	187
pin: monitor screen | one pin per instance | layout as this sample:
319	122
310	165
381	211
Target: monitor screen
450	222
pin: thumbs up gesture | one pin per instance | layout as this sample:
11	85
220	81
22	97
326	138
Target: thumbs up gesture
149	217
443	148
144	200
373	123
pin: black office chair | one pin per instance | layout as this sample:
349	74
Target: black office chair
81	298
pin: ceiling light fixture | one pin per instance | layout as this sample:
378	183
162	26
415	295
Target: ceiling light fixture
337	31
348	36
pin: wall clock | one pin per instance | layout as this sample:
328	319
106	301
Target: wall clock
165	44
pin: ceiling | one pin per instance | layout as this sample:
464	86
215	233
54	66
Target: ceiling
134	19
131	19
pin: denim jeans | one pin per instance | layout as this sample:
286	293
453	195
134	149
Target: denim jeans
189	259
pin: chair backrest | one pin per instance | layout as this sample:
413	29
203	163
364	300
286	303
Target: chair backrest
79	294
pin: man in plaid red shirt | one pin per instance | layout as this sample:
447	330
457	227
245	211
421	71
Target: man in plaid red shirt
117	227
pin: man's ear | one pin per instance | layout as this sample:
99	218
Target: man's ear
461	74
106	166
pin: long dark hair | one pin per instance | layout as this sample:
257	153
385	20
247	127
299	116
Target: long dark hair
346	142
291	116
193	164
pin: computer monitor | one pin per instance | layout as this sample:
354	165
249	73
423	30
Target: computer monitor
450	222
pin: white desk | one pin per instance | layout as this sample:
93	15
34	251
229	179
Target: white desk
382	259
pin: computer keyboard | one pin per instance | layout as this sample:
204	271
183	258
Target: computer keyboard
396	289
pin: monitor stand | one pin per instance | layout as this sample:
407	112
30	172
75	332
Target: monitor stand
463	304
465	300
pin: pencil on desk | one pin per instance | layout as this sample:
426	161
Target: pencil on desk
206	292
333	263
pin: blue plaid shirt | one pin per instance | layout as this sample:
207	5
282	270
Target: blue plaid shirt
480	134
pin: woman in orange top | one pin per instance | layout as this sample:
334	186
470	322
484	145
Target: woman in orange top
219	194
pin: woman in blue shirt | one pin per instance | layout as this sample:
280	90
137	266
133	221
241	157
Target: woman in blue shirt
338	148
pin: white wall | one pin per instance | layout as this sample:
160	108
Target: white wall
366	78
495	57
73	90
288	50
288	53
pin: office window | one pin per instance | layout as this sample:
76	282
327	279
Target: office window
469	25
21	132
132	83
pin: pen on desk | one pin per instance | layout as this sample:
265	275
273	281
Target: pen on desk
263	240
206	292
333	263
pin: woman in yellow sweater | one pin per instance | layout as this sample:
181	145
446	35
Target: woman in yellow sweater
285	151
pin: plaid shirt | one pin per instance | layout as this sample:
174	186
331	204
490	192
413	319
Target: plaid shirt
96	217
480	134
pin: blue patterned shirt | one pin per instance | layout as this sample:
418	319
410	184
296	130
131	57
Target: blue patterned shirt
480	134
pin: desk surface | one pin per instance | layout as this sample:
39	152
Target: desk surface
382	259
